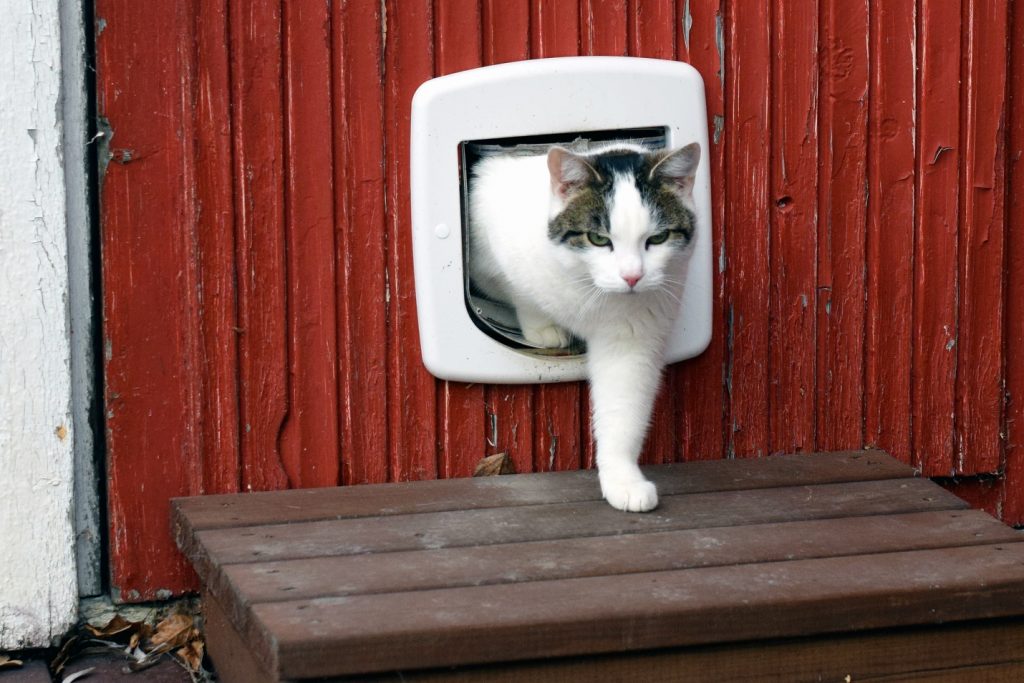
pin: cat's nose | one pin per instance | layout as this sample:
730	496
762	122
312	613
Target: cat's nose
631	279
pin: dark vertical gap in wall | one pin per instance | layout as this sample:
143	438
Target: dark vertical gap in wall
915	457
294	479
1009	107
723	23
868	120
235	284
97	407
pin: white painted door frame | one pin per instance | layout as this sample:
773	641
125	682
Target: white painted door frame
45	377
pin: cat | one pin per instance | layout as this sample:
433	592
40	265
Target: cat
595	246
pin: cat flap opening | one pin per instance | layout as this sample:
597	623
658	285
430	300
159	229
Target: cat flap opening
525	108
491	314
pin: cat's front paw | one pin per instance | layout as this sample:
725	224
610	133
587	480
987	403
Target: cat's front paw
629	494
547	336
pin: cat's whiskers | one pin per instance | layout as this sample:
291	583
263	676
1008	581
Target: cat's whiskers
593	297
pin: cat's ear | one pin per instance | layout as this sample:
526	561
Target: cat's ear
678	168
569	172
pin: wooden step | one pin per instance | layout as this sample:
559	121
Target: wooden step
802	553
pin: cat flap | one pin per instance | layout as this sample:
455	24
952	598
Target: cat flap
531	106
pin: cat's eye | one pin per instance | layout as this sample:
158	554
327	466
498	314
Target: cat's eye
659	238
599	240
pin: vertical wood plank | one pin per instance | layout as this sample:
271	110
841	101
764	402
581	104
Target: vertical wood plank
554	28
979	382
699	383
935	258
890	230
361	243
152	351
651	28
461	407
1013	339
842	211
259	210
215	236
412	401
791	349
603	27
506	30
309	436
748	86
554	32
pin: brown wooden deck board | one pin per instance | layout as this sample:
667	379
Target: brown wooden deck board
609	555
970	653
568	520
408	579
642	611
280	507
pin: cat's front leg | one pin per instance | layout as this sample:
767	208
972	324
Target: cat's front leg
539	330
624	377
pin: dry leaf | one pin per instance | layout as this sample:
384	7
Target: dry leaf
172	632
8	663
192	654
141	635
78	674
115	627
499	463
62	657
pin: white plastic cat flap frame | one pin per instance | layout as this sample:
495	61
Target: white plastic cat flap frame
544	100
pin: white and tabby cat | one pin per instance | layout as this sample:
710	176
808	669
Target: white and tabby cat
596	246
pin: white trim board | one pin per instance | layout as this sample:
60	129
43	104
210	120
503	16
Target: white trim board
38	586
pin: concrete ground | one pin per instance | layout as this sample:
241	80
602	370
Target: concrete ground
103	668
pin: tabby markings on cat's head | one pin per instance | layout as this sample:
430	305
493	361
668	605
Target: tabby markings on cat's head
625	211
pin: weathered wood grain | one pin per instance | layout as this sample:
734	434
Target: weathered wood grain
793	243
890	230
753	556
981	231
699	383
215	234
973	652
361	241
963	653
936	240
748	140
603	27
640	611
309	438
152	355
412	391
488	526
257	104
283	507
1013	485
842	215
604	555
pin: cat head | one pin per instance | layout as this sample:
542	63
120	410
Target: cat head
623	214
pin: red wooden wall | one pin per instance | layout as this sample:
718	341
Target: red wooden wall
259	319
